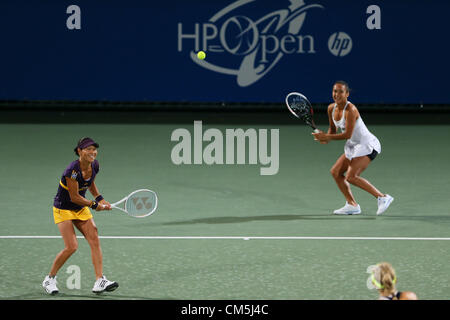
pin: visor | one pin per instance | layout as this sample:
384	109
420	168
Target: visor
86	142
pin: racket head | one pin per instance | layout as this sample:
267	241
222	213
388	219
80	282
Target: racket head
141	203
301	108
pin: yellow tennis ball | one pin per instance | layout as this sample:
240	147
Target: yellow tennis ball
201	55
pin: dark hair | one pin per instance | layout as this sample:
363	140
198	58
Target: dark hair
342	82
78	143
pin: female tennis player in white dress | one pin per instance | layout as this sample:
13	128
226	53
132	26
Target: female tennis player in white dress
360	149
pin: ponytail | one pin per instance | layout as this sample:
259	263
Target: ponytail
388	279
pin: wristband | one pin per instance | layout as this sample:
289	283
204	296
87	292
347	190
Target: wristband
99	198
94	204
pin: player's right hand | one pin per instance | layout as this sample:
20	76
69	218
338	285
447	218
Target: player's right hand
102	207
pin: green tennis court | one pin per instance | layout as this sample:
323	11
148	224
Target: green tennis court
225	231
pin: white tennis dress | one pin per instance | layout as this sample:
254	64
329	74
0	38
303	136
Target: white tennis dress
362	142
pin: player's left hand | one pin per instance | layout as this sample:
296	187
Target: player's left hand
321	137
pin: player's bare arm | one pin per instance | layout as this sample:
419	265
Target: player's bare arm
95	193
76	198
332	128
350	120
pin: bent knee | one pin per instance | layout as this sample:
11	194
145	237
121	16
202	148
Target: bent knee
351	179
335	173
71	248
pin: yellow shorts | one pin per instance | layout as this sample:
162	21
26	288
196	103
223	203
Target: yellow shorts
61	215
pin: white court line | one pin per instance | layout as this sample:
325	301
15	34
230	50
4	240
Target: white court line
234	238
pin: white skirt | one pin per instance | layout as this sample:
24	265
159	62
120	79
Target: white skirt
354	149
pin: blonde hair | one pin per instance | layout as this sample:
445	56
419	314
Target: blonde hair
384	279
387	279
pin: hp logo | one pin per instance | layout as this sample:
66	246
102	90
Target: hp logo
340	44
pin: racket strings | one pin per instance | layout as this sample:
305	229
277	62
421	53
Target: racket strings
302	109
141	204
300	106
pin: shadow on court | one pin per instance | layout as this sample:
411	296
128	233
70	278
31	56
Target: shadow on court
285	217
65	296
426	218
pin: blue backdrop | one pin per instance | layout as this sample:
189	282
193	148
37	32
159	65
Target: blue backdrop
257	50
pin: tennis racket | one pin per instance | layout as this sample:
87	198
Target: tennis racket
300	107
138	204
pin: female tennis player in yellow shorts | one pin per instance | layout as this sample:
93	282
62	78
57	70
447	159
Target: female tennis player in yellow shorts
71	208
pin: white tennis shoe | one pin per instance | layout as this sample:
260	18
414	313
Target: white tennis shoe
384	203
348	209
49	284
102	284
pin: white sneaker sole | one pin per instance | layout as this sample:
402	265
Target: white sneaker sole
113	286
391	199
51	292
347	213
